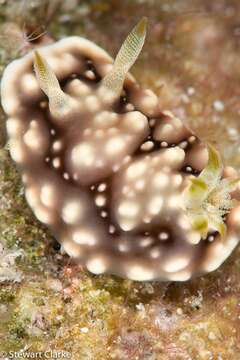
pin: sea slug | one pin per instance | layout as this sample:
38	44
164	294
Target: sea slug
124	186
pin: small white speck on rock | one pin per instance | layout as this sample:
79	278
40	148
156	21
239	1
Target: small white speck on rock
185	99
218	105
190	91
140	307
211	336
84	330
147	289
54	284
179	311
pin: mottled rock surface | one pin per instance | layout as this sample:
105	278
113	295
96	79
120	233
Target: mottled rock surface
191	60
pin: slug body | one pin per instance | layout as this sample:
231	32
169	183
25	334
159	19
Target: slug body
106	170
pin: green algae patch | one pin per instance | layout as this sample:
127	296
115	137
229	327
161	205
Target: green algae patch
7	295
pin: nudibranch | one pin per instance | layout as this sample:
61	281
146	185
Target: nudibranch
124	186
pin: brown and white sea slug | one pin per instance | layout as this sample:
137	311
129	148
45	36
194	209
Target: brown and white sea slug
125	187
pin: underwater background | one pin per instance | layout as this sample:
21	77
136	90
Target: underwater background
191	60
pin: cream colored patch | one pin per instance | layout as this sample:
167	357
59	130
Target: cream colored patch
57	145
83	155
32	138
161	180
96	265
100	200
139	273
136	170
176	263
16	151
32	196
56	162
84	237
48	195
72	212
155	205
29	84
92	103
115	145
14	126
43	215
128	209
